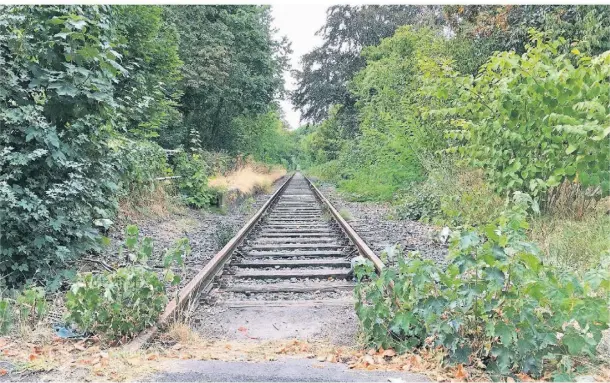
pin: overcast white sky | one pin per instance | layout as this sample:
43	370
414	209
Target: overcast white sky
299	22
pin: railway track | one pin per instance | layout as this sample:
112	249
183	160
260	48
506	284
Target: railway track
295	251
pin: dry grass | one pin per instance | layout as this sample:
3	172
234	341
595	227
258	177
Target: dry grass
158	203
250	179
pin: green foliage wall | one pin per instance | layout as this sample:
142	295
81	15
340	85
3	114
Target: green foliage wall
232	67
536	120
57	107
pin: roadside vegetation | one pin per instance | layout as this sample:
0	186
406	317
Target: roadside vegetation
112	111
457	118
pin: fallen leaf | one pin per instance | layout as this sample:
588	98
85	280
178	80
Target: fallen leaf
461	372
32	357
242	329
152	357
3	372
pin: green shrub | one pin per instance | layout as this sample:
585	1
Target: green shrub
31	304
126	301
535	120
421	203
194	182
494	303
139	163
56	92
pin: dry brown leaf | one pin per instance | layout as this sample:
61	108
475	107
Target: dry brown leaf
461	373
368	359
3	371
32	357
152	357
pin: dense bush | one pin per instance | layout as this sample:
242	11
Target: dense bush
56	113
139	163
495	303
126	301
535	120
193	185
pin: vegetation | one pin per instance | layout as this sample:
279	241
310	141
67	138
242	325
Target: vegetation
448	120
91	95
495	303
123	302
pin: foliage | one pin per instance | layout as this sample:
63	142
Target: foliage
495	303
384	157
57	109
265	138
193	185
421	203
126	301
31	303
25	307
139	163
482	30
526	148
326	70
6	316
232	67
149	96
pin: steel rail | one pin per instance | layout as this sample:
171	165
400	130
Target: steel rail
205	276
363	248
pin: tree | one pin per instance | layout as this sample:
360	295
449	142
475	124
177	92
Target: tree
149	96
232	67
326	70
482	30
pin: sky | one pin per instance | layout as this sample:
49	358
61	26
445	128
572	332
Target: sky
299	22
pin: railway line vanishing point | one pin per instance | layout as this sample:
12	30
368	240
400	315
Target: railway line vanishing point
286	273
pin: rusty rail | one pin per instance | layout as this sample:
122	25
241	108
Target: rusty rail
205	277
364	249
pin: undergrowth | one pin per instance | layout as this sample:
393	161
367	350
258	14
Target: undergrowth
496	303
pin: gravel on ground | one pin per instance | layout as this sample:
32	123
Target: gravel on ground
372	221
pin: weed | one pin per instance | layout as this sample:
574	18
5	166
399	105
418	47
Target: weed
223	234
123	302
345	214
6	315
570	243
495	303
